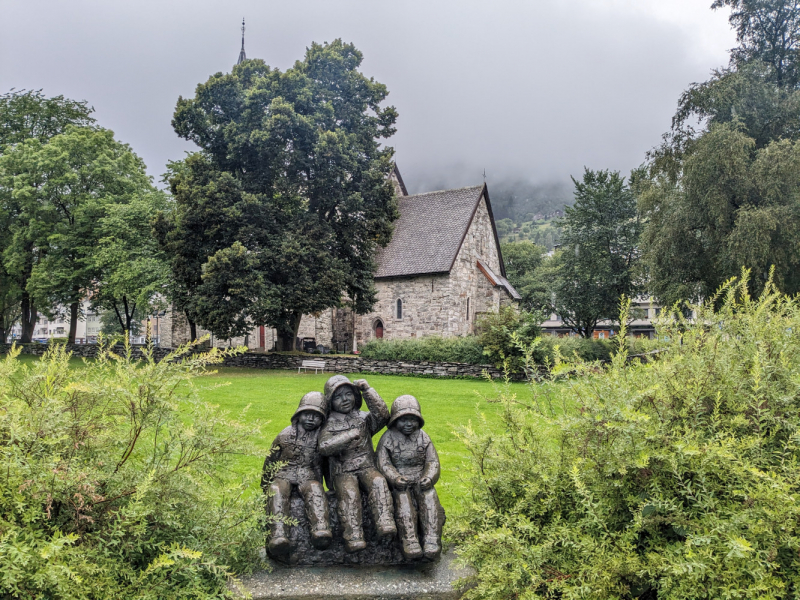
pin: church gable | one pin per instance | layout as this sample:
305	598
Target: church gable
429	232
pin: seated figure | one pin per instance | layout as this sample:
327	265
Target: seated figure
346	440
296	446
408	460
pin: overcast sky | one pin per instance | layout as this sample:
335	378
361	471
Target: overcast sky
531	90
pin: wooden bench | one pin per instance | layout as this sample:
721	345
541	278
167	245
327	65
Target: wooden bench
312	364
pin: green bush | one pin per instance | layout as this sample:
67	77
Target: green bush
501	333
432	348
674	479
116	482
585	349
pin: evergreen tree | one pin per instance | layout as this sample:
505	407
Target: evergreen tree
598	262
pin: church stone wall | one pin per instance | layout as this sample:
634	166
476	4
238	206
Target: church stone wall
319	327
437	304
175	331
432	304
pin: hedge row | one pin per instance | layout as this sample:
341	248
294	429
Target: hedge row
469	349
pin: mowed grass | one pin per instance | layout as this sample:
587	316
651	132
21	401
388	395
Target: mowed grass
447	404
273	396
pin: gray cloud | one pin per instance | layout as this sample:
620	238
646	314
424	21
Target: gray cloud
527	90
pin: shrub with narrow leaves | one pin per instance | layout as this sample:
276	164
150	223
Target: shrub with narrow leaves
675	479
115	480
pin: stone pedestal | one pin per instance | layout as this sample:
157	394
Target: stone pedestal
421	581
385	552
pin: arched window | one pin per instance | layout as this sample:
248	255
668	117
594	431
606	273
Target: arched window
399	308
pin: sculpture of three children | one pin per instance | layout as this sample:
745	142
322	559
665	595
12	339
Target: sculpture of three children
329	433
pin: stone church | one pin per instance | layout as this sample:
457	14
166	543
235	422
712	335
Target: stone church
441	270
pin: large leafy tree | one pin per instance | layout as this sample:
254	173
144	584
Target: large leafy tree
723	191
130	271
599	259
26	115
768	31
735	205
296	158
66	190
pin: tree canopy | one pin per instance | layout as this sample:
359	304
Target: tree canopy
281	211
25	116
598	261
68	192
723	190
524	263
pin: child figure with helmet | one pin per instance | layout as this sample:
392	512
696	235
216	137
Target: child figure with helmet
346	439
296	446
408	460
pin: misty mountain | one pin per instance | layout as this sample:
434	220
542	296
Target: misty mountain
525	201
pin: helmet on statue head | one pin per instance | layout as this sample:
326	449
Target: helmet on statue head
334	383
405	405
313	401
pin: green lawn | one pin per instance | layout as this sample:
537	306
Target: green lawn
446	405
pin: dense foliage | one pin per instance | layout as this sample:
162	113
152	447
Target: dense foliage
499	333
116	481
283	208
598	262
494	345
673	479
723	190
527	269
432	348
25	116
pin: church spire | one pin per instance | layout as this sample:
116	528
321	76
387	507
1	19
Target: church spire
242	55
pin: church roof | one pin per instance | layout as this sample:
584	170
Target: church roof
430	231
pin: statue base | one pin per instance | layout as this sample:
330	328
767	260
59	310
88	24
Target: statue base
428	581
302	553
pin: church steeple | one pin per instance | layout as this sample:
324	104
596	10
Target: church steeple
242	55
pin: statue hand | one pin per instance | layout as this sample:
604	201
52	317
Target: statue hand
401	483
361	384
425	483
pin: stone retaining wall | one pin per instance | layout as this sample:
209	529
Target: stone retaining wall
84	350
353	364
333	363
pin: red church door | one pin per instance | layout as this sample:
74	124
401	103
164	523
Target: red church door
379	329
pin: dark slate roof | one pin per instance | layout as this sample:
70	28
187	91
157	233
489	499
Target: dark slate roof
429	232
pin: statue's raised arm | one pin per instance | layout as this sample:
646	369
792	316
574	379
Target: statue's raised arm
346	439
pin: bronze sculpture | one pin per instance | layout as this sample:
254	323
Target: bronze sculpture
408	460
346	439
296	446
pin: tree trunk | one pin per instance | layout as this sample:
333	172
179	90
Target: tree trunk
287	337
192	329
73	322
28	318
129	316
3	334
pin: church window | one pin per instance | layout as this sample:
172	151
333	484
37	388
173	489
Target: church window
399	308
467	309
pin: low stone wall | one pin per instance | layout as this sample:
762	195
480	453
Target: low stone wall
84	350
355	364
333	363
